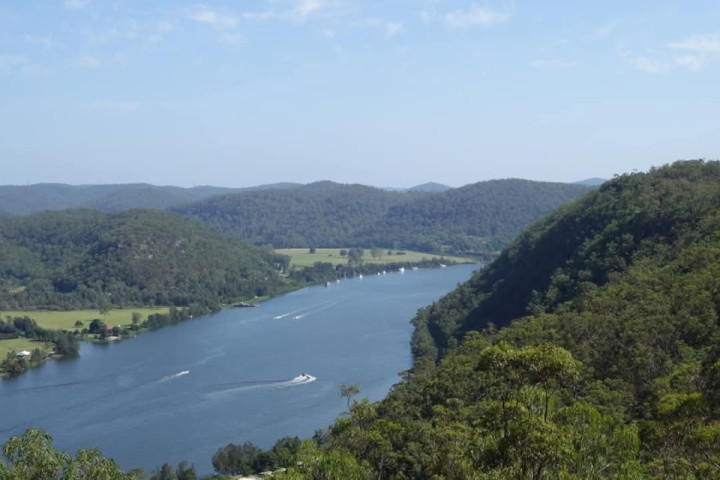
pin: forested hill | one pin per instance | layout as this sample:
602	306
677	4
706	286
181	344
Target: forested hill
321	214
604	360
85	258
477	218
634	219
29	199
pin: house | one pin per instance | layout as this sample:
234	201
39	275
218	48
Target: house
23	354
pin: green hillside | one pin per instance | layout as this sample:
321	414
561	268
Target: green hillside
477	218
83	259
321	214
589	349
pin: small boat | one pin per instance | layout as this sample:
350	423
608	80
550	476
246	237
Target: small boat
360	276
327	284
401	269
243	305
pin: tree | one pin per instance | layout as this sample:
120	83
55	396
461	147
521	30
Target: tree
185	471
166	472
32	456
79	324
104	308
96	326
355	256
348	391
236	459
136	318
312	463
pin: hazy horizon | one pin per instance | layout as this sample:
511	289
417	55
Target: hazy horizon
384	187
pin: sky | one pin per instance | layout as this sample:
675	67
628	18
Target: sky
388	93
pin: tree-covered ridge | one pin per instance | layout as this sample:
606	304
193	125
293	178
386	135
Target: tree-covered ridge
477	218
84	259
609	367
586	244
321	214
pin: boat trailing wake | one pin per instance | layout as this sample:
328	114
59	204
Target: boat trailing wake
298	314
228	389
170	377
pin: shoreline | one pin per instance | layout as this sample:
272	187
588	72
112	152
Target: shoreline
358	270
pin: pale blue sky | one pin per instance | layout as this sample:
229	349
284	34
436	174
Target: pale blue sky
387	93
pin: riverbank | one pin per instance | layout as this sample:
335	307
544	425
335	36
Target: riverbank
129	400
123	323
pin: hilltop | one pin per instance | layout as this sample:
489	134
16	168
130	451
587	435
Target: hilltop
478	218
587	349
83	258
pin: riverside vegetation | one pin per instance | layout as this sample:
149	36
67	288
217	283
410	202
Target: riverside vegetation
587	349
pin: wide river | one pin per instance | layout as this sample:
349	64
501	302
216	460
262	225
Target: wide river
181	392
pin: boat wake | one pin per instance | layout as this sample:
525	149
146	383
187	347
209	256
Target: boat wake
310	311
229	389
301	379
170	377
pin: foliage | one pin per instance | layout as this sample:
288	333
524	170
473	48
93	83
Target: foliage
65	344
247	458
84	259
588	349
477	218
32	456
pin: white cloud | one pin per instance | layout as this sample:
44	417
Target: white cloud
42	41
307	7
693	62
234	38
88	61
708	43
76	4
203	14
394	28
553	63
607	28
651	65
164	28
117	105
11	60
463	19
295	10
693	53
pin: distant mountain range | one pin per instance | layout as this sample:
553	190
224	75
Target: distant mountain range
475	219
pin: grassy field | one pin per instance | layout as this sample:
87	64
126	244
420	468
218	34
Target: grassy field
301	257
20	344
66	320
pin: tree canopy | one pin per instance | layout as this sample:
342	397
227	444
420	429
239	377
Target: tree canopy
588	349
86	259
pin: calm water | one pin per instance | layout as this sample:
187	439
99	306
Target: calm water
183	391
